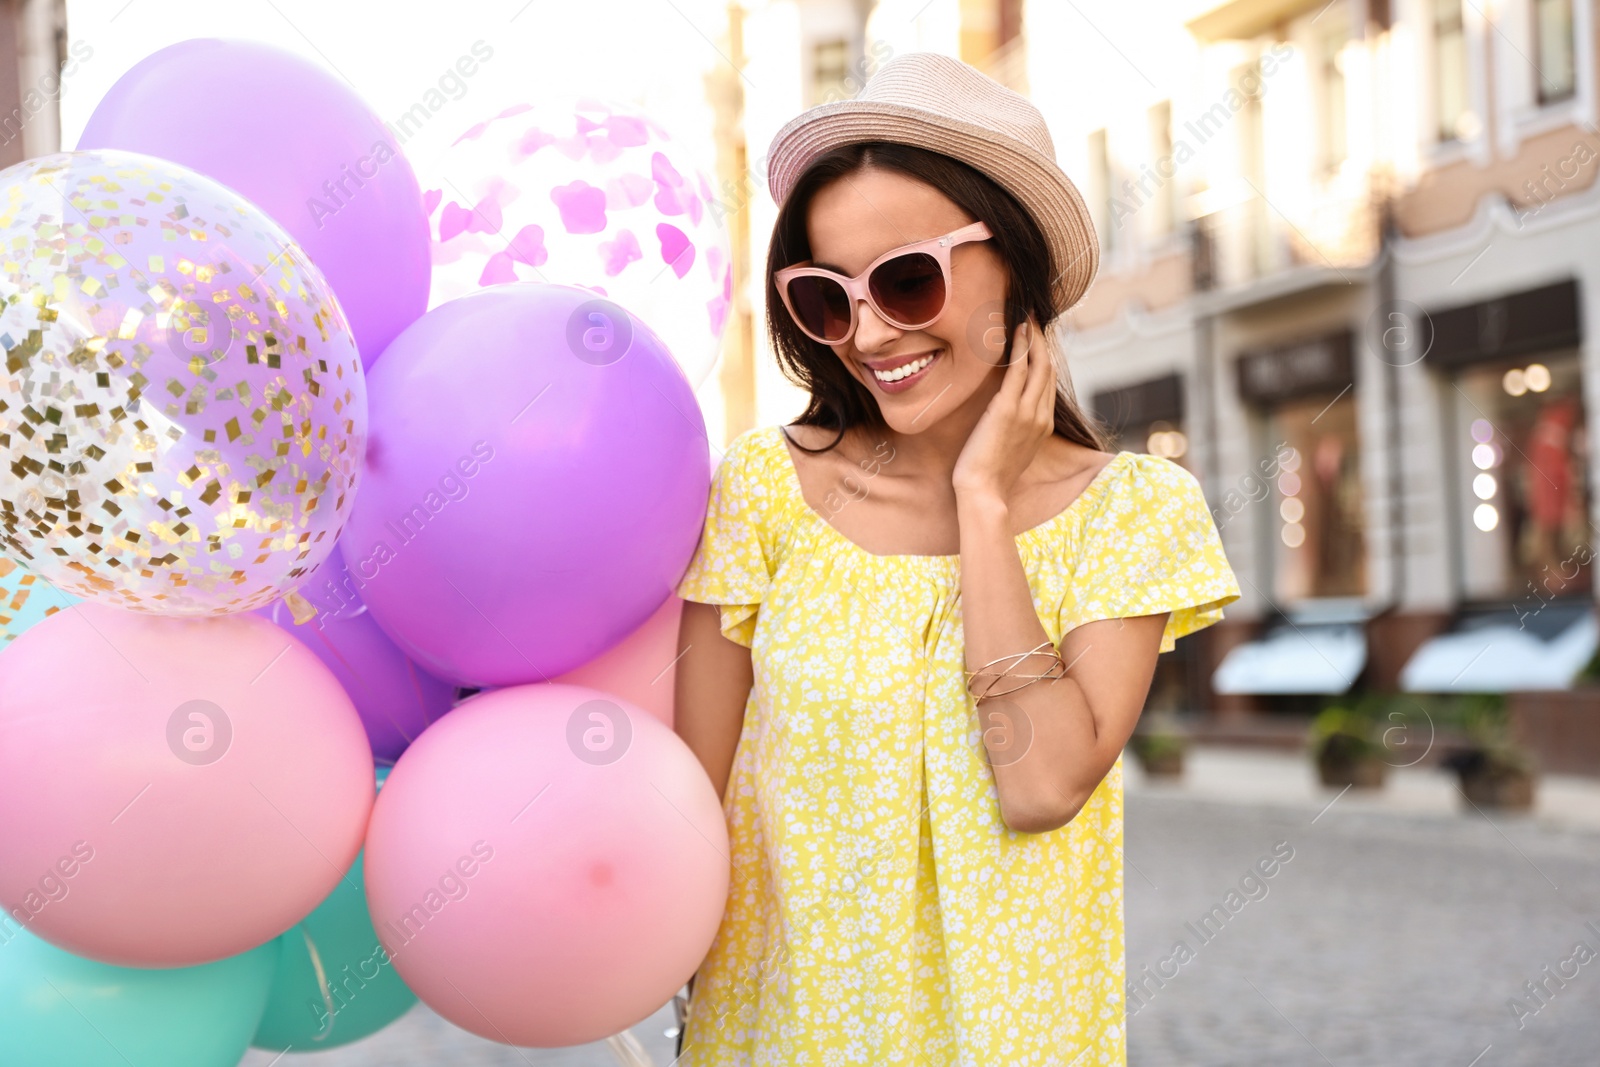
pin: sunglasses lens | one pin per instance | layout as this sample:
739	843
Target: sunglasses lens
821	306
909	288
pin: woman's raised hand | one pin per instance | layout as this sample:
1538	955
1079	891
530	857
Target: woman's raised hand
1019	418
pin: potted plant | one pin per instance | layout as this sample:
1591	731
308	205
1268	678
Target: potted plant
1346	747
1159	745
1493	771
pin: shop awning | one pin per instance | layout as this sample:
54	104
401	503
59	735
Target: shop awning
1506	652
1295	658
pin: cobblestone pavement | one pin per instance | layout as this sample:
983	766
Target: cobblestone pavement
1394	935
1387	939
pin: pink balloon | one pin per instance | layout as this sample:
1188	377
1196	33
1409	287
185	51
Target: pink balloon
172	791
547	865
642	667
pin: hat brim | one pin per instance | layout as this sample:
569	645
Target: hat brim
1042	188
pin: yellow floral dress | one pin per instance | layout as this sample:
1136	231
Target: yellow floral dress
880	911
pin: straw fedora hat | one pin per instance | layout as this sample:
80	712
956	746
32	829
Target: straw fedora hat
932	101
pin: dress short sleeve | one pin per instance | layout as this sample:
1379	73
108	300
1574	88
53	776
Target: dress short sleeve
733	563
1150	546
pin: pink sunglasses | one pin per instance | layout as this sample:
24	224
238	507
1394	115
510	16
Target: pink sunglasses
908	287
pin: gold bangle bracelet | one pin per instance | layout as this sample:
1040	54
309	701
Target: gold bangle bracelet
1056	669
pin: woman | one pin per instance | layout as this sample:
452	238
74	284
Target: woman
922	618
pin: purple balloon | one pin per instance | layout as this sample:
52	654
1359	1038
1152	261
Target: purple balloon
299	143
535	483
395	698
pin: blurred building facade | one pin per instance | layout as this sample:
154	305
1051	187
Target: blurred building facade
33	55
1351	267
1351	256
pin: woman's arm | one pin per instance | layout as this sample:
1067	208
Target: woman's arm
710	690
1050	743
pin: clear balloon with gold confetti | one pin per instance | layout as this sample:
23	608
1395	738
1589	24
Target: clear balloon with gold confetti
183	414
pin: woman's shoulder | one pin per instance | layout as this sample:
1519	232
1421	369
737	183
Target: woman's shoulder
1120	474
750	471
1159	474
1142	490
750	452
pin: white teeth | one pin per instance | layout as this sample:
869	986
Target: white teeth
902	372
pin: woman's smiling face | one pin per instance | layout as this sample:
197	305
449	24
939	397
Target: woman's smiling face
856	219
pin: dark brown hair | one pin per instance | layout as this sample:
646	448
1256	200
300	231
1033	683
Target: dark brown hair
838	400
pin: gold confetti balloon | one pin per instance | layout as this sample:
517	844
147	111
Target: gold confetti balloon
183	415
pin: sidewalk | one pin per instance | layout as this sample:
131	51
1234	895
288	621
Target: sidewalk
1256	776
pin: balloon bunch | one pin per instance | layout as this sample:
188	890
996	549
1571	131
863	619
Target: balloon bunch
338	630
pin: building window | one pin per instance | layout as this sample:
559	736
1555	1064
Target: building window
1010	17
1554	44
1335	148
1319	546
1456	121
1522	478
1104	194
1164	209
1254	215
830	67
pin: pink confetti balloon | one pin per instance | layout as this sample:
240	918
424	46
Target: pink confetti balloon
587	193
547	865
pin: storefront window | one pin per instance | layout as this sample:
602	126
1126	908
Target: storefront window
1164	439
1523	481
1317	532
1146	417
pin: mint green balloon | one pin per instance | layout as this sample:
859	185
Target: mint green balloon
359	992
61	1010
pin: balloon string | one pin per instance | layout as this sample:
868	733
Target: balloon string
628	1051
322	982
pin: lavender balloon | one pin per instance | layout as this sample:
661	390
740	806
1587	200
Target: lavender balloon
396	699
299	143
535	483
